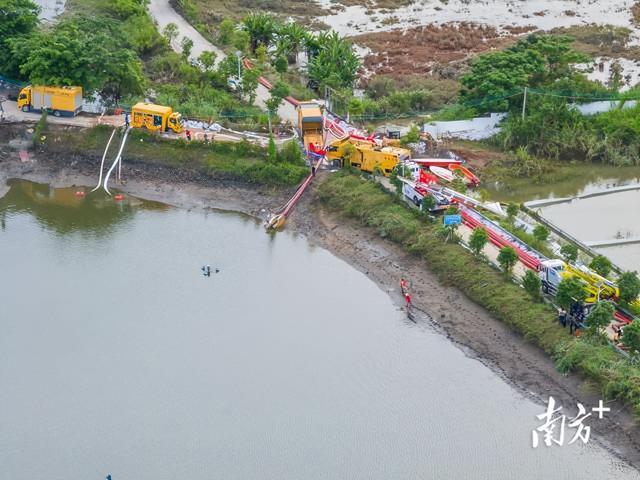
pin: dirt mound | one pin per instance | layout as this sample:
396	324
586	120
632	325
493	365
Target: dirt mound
438	49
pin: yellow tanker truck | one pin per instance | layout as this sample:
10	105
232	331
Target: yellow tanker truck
60	101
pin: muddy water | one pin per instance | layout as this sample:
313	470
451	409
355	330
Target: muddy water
579	180
117	356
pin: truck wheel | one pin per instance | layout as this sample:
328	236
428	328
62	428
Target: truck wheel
26	108
56	113
545	289
416	201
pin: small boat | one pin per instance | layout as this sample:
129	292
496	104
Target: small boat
469	177
443	173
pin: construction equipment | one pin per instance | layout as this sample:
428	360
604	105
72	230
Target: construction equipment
60	101
367	155
310	125
552	272
156	118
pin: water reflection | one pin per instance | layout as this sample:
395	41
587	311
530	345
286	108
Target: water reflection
66	210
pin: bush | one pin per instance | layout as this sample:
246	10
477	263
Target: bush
629	285
507	258
531	283
601	265
569	251
478	240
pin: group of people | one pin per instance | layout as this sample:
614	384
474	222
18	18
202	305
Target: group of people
574	318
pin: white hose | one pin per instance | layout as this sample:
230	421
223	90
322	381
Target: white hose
115	162
102	161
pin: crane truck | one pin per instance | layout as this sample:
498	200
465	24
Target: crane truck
553	271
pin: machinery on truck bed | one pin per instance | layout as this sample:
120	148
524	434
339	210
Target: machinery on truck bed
310	125
156	118
367	155
552	272
60	101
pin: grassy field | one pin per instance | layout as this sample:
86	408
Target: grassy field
242	161
353	197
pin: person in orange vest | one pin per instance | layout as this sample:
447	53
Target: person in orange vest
188	134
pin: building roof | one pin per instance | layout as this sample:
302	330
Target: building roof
151	108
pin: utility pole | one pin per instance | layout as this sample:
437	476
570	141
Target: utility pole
524	102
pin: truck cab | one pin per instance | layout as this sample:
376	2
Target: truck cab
551	275
24	99
175	122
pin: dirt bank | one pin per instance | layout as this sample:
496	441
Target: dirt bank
443	307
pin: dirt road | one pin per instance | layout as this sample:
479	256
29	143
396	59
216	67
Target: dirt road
163	13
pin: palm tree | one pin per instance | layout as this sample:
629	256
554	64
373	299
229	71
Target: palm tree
261	28
296	35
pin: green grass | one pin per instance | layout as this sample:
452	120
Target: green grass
366	202
241	162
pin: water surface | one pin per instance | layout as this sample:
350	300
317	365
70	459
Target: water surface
117	356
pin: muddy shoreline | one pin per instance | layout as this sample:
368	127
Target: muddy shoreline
442	307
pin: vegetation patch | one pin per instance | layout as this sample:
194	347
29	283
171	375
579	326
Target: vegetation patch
240	162
366	202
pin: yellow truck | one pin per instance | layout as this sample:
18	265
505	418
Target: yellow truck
156	118
60	101
367	156
310	124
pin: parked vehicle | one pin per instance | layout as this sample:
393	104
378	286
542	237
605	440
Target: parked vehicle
60	101
156	118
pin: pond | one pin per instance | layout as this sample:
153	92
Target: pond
118	356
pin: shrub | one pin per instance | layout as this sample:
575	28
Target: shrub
541	233
478	240
569	251
507	259
601	265
531	283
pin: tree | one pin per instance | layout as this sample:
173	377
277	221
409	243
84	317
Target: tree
569	251
250	78
507	259
334	63
535	61
241	40
631	337
541	233
225	31
478	240
186	44
629	285
261	54
92	57
599	318
18	19
295	37
277	94
570	290
531	283
261	28
412	136
208	60
281	65
170	31
601	265
512	211
272	152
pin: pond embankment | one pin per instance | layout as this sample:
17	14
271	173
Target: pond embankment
440	301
